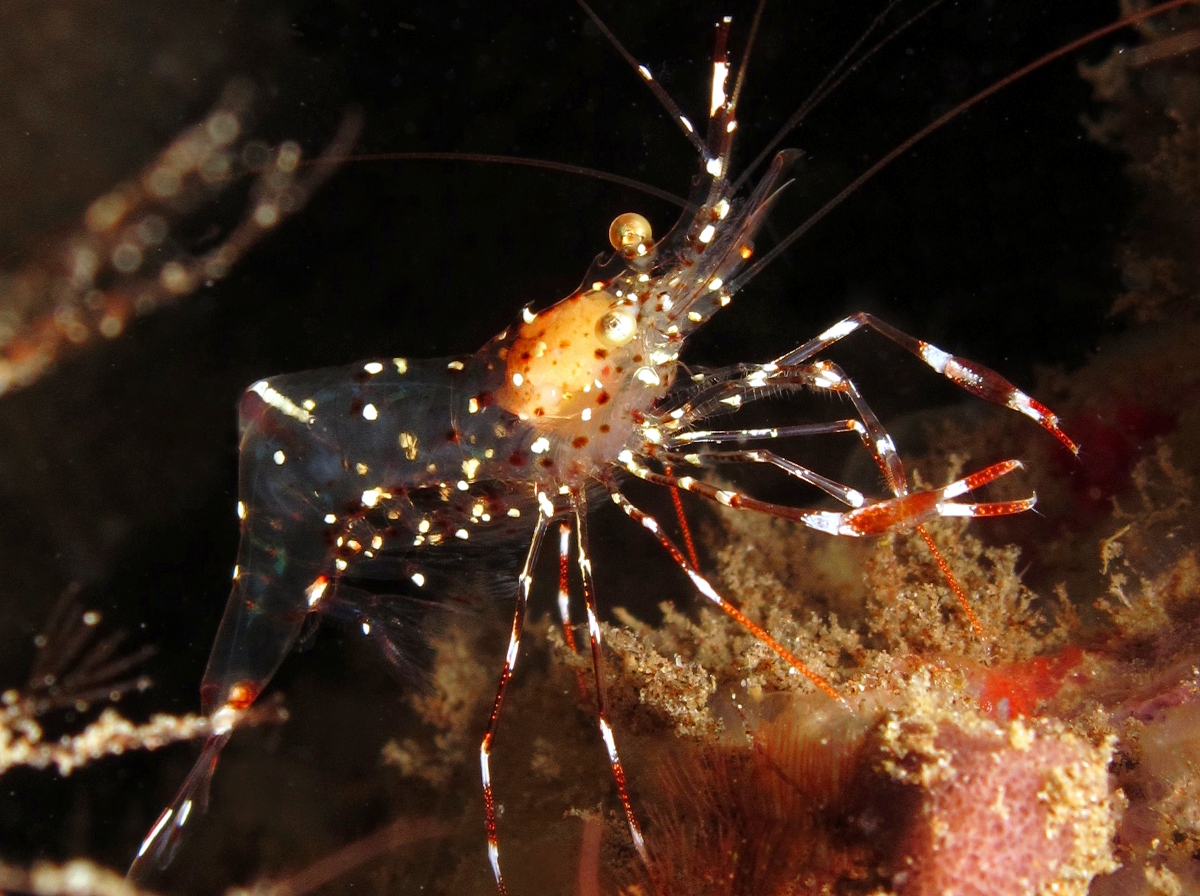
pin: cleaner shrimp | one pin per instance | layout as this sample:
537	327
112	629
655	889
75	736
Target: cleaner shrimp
393	467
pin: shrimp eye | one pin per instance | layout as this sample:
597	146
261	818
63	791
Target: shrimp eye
617	326
631	235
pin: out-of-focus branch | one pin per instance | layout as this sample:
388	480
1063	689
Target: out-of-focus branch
110	734
123	260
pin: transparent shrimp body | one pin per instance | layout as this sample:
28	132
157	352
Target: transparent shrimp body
374	468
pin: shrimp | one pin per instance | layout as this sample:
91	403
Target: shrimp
393	467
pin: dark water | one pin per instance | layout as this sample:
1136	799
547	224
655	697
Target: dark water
993	239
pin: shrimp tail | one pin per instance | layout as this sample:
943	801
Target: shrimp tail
165	837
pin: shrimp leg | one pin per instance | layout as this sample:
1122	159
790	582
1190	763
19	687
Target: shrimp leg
969	375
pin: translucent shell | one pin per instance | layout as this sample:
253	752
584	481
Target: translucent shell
559	361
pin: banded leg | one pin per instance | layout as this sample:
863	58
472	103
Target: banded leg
908	510
846	495
579	508
969	375
706	589
564	592
753	384
824	375
724	436
828	376
564	599
883	449
524	583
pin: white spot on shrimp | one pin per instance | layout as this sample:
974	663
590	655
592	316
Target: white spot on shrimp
706	235
704	588
473	405
241	510
645	73
720	75
968	377
366	627
540	445
224	719
826	521
715	283
838	330
1021	402
661	358
373	367
280	402
455	365
593	625
280	457
462	533
686	124
331	518
316	590
470	467
517	379
418	579
370	412
401	365
371	497
340	564
585	415
649	376
714	167
528	315
829	378
514	512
